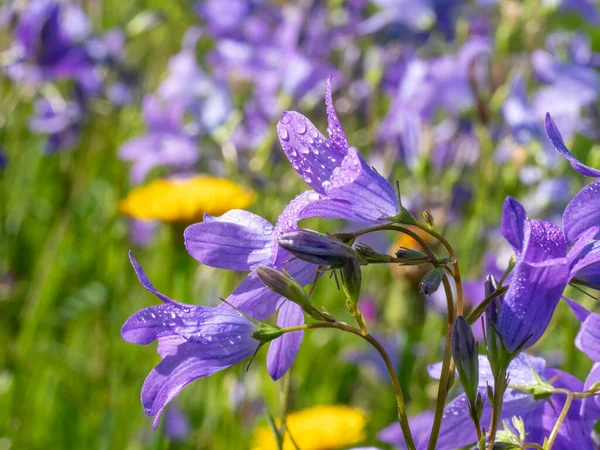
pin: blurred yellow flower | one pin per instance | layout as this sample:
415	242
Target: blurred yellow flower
317	428
185	199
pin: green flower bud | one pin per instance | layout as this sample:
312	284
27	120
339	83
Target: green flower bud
431	282
466	358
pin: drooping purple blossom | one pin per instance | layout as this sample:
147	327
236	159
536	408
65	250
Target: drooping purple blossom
165	144
193	342
539	416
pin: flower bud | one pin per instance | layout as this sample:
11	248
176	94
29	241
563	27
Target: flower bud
496	352
351	279
427	217
466	358
370	256
287	286
316	248
266	332
409	256
431	282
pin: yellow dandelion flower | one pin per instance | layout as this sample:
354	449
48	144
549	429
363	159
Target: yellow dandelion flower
185	199
318	428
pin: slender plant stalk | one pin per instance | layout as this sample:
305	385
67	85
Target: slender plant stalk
560	420
499	388
452	253
477	312
447	370
401	408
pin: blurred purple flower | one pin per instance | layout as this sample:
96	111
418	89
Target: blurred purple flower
370	358
193	342
142	232
205	97
165	144
539	416
47	46
60	120
177	425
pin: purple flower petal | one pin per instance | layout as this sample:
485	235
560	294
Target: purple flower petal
283	350
559	145
590	407
420	427
174	373
238	240
588	338
147	284
310	153
513	223
356	192
539	279
583	212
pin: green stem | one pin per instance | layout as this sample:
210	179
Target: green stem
401	408
499	388
452	253
447	370
560	420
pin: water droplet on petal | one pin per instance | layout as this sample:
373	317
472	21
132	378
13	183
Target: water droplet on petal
286	117
283	134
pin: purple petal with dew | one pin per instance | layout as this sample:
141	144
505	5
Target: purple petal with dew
145	282
176	371
293	212
583	212
204	325
514	218
283	350
539	279
309	152
237	240
337	137
355	192
558	143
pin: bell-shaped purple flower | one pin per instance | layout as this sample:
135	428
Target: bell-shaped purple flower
542	271
349	188
193	341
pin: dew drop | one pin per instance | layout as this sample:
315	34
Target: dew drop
286	117
283	134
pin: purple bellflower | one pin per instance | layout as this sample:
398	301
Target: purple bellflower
46	46
345	187
539	416
165	144
543	269
193	342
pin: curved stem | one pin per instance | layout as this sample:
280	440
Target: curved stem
447	370
560	420
477	312
401	408
452	253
